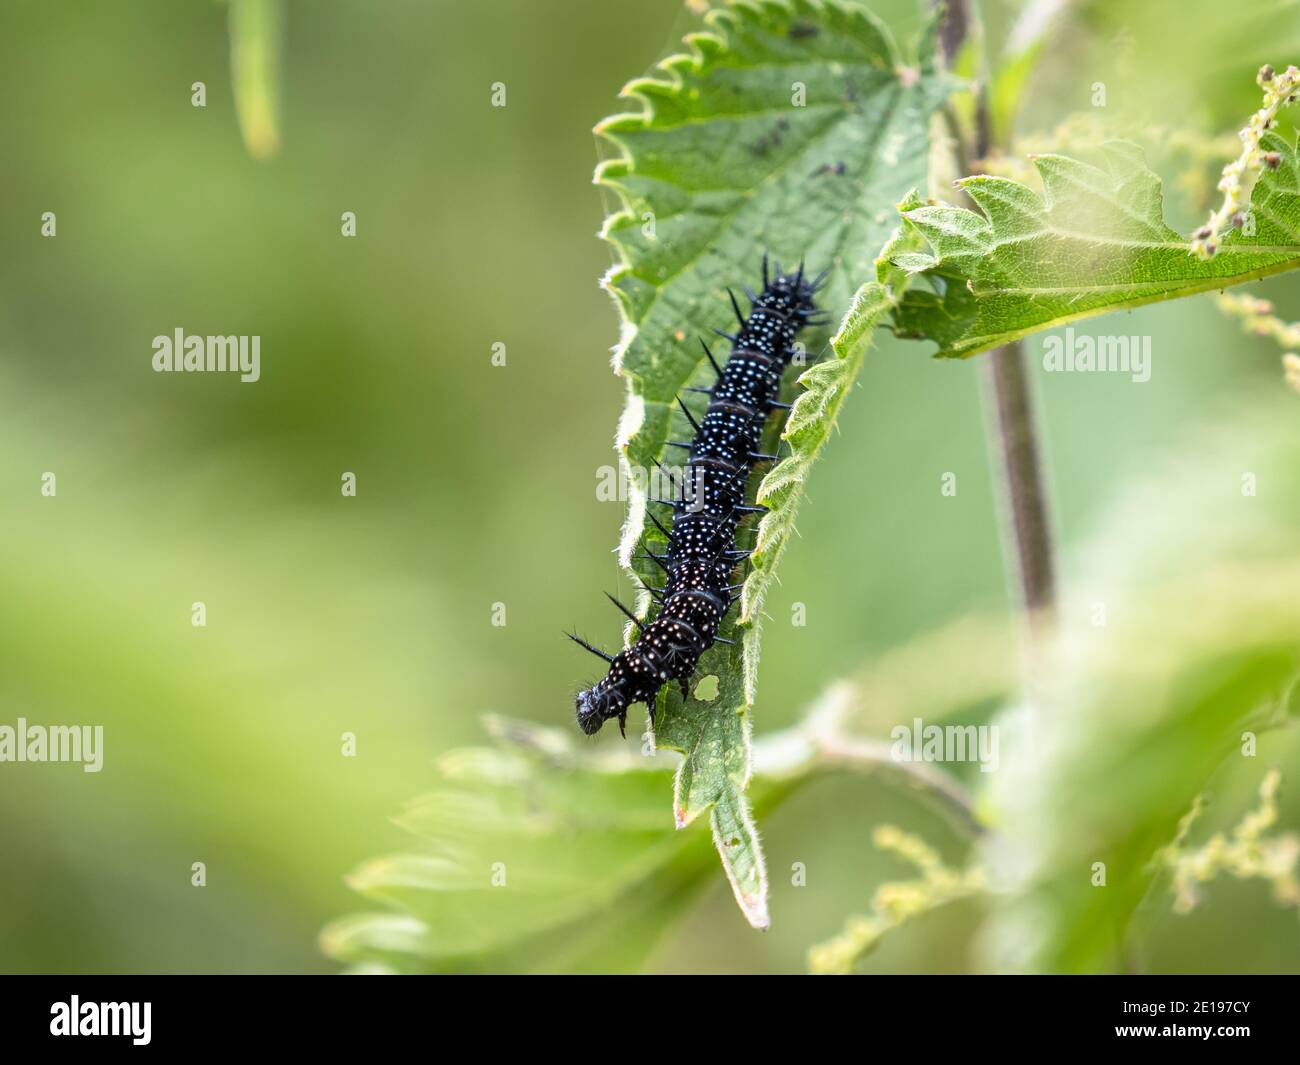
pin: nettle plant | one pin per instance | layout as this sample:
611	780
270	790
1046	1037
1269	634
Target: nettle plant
799	129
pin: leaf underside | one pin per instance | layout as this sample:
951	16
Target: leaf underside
1095	241
790	128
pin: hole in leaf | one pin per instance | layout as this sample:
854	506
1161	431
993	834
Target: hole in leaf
707	689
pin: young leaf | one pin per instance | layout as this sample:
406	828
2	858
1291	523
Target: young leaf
790	127
1096	241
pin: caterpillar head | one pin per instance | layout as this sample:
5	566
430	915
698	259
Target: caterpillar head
597	705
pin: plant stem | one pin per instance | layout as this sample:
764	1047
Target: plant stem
1024	491
821	741
1009	391
870	756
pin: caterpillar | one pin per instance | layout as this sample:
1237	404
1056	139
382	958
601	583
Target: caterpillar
702	554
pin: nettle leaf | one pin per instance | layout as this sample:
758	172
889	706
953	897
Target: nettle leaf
789	128
528	848
809	426
1096	241
537	853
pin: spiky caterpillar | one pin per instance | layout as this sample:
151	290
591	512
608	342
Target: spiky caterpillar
702	553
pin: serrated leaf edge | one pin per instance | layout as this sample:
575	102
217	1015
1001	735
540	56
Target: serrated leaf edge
983	237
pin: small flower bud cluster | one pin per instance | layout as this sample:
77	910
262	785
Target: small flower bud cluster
1291	366
1239	176
896	902
1257	317
1250	853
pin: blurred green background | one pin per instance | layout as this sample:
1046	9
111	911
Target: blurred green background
476	484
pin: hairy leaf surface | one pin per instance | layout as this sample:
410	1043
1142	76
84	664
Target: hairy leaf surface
790	128
1096	241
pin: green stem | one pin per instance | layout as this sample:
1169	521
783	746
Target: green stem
1024	490
1013	422
821	742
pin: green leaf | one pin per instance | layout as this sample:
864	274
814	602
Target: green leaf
1011	72
541	853
1120	751
807	429
1007	88
255	72
1096	241
531	849
789	128
1136	715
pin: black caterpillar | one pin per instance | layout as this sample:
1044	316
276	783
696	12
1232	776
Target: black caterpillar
702	553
